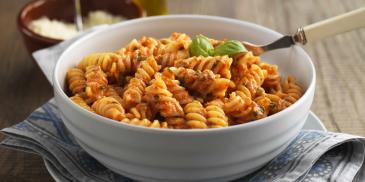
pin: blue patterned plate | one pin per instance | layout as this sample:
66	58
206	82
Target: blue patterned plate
312	123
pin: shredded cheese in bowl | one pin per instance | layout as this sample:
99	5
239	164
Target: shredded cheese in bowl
62	30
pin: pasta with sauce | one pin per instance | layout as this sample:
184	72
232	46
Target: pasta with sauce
162	83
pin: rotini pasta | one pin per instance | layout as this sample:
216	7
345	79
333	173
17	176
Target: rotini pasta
183	41
81	102
173	48
216	117
242	108
204	83
147	69
195	115
111	92
133	93
292	89
272	81
140	111
76	80
158	83
108	62
109	107
168	59
242	62
218	64
277	104
253	79
176	122
129	62
179	92
162	100
96	82
135	88
264	103
147	46
145	123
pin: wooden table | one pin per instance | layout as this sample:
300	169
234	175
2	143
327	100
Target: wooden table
340	62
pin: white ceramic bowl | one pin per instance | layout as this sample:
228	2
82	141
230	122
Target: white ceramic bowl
185	155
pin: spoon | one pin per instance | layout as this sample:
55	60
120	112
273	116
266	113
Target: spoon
78	16
342	23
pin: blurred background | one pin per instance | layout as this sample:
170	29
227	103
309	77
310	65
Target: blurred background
339	60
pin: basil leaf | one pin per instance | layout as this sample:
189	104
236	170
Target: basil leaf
200	46
230	48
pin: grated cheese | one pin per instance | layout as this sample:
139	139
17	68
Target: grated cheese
62	30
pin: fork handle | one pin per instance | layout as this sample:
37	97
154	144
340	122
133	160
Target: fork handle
342	23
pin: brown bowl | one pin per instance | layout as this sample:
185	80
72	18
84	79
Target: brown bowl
64	10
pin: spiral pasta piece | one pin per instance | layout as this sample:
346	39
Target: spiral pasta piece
241	65
272	81
109	107
140	111
168	59
242	108
76	80
171	49
150	47
277	103
157	124
253	79
220	87
133	45
265	104
87	99
145	123
195	115
111	92
129	62
147	69
203	83
96	82
146	46
107	61
218	64
136	86
179	92
176	122
216	118
137	122
176	42
162	100
237	104
292	89
182	40
133	93
245	91
77	99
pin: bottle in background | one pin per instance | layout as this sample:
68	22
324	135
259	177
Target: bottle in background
153	7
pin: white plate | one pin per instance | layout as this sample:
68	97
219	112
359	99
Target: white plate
312	123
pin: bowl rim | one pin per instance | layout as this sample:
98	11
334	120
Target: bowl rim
30	33
57	87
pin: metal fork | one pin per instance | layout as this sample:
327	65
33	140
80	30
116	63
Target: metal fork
342	23
78	16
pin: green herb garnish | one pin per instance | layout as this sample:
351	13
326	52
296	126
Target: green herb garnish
230	48
200	46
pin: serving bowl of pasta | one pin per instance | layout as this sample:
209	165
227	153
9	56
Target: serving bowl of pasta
178	98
